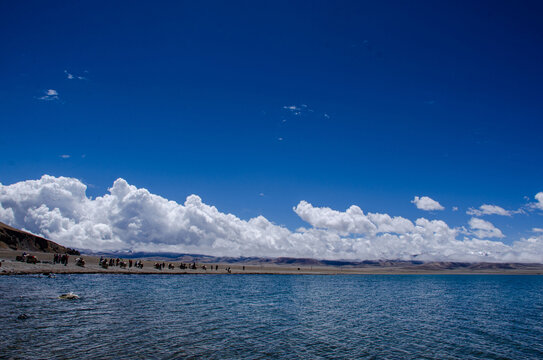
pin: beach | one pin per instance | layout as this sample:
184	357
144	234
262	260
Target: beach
45	265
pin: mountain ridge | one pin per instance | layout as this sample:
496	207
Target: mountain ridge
16	239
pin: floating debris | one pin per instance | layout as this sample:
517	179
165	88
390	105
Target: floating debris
69	296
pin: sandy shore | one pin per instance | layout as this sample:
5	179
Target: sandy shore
9	266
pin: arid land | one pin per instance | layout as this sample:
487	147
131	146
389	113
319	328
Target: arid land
9	266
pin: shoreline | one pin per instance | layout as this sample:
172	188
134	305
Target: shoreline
22	274
9	266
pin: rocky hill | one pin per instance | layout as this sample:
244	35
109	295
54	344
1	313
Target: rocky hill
15	239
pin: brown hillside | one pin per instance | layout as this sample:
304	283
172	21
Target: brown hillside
15	239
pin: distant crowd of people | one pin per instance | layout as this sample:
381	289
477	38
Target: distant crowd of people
118	262
111	262
190	266
138	264
61	259
105	263
182	266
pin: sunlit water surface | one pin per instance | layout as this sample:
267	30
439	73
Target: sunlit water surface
272	317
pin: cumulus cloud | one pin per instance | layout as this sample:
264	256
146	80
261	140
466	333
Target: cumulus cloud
426	203
529	250
539	198
484	229
7	215
489	210
131	218
352	221
50	94
537	230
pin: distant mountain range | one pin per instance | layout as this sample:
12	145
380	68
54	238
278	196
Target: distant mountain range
15	239
414	265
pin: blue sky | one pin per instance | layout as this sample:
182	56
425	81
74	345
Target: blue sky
255	106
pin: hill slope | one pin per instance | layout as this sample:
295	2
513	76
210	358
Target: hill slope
15	239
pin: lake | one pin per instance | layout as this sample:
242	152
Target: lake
273	317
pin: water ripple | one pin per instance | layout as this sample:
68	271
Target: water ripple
262	317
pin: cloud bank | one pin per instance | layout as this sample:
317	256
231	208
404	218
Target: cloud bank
131	218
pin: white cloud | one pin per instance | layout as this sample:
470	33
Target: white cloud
455	208
351	221
130	218
298	110
531	206
537	230
484	229
292	108
539	198
7	215
529	250
65	156
50	94
303	110
426	203
72	76
489	210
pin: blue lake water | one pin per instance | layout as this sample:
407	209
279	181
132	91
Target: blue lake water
273	317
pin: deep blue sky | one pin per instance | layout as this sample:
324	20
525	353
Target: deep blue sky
442	99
